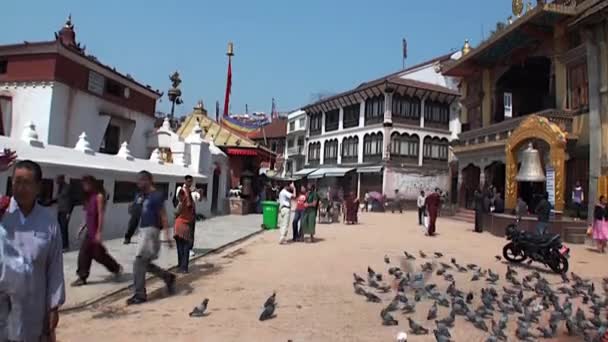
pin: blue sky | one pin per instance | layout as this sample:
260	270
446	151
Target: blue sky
289	50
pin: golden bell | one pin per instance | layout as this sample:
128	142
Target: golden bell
531	169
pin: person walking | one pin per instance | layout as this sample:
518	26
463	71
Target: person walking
32	233
65	206
309	219
479	210
297	219
92	247
366	201
397	204
134	215
352	208
285	196
600	224
433	203
578	197
153	220
185	217
543	211
195	195
421	208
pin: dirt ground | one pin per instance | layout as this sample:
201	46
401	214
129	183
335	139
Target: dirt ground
313	284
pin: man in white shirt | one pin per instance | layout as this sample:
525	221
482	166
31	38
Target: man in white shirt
421	208
285	197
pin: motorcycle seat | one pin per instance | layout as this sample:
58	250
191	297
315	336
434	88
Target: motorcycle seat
541	239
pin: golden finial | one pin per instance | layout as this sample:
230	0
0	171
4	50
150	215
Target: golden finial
466	48
230	51
517	7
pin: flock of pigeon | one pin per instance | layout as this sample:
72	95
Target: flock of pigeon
267	312
523	300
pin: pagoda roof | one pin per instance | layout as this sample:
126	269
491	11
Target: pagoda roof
533	27
221	135
277	128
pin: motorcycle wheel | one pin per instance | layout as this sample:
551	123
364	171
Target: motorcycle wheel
513	254
560	264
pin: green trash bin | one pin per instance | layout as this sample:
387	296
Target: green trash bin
270	214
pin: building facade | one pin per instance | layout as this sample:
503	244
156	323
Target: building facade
540	80
296	135
65	92
388	134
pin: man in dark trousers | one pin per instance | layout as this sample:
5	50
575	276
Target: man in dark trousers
543	211
65	206
135	213
479	209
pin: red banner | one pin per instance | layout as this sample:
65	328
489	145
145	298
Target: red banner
228	88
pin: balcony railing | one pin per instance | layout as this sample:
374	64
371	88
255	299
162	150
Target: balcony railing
503	129
295	151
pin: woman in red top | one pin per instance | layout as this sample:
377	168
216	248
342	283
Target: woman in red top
183	221
352	207
300	201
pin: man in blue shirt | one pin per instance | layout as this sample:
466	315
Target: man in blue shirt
153	219
31	314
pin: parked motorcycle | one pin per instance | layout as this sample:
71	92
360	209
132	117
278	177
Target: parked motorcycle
546	249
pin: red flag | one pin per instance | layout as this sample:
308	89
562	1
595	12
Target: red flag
228	88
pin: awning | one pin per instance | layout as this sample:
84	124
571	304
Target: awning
370	169
304	172
242	152
329	172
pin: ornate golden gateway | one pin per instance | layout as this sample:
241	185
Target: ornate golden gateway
518	7
537	127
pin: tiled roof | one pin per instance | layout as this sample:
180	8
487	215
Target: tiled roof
276	129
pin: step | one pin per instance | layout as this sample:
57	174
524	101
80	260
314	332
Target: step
577	239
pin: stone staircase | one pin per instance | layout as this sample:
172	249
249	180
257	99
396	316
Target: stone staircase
575	234
464	215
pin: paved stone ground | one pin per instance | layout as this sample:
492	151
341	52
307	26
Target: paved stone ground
314	288
210	234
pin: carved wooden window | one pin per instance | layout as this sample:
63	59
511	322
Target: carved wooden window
350	149
331	120
316	120
351	116
404	145
578	87
374	110
330	154
406	107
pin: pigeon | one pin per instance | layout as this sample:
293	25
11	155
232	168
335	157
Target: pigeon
445	266
472	266
271	300
432	314
393	305
498	257
384	288
199	311
416	328
387	260
409	308
409	256
358	289
439	337
388	319
422	254
443	329
358	279
268	312
373	283
438	255
448	321
440	271
497	331
522	333
480	324
453	260
378	277
548	332
475	277
469	298
372	297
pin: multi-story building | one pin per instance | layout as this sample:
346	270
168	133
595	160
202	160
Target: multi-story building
65	91
541	80
386	134
296	134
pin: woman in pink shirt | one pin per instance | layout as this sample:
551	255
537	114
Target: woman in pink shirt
300	201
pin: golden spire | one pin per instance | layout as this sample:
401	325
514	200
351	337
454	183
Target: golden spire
517	7
466	48
68	23
230	51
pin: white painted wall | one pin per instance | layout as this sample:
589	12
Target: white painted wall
31	101
411	182
79	111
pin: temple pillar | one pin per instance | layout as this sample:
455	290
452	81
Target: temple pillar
559	68
595	122
486	103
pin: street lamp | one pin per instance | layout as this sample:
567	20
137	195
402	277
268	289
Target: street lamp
174	93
